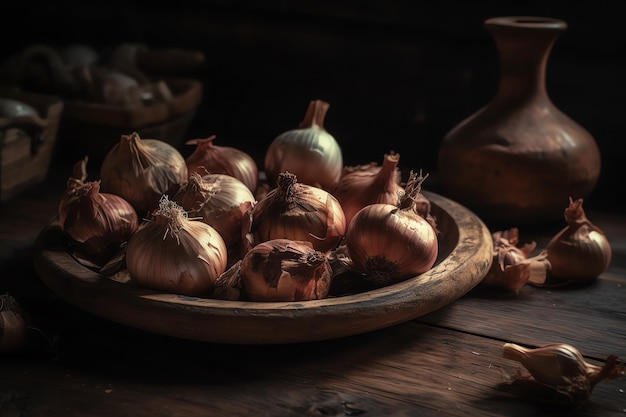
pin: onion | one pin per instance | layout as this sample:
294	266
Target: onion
142	170
370	184
96	224
513	266
13	324
389	243
299	212
221	201
285	270
309	152
580	251
209	158
175	253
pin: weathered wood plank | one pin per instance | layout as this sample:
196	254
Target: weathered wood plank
447	364
406	370
591	317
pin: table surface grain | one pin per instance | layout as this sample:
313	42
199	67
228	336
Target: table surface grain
448	362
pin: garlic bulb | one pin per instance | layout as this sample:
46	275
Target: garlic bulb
142	170
580	251
360	187
175	253
563	368
285	270
309	152
209	158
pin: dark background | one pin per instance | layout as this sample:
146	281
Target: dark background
397	74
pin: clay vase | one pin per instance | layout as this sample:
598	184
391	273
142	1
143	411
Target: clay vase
519	159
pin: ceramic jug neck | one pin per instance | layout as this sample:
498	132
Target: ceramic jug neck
524	45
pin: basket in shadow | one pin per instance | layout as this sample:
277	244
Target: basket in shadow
29	125
106	97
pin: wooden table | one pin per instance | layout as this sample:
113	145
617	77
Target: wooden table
448	362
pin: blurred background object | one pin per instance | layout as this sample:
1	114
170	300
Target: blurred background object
398	75
29	124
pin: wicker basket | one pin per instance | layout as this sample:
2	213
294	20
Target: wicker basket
92	129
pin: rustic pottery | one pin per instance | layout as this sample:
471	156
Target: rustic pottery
518	159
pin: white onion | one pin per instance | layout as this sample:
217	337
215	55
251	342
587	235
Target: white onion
309	152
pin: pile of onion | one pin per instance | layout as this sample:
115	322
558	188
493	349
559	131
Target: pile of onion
389	243
211	158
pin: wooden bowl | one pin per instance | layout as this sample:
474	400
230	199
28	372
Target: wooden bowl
465	256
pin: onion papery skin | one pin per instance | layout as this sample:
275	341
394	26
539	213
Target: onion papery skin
96	224
142	170
13	325
361	187
186	262
221	201
209	158
299	212
309	152
580	251
285	270
389	245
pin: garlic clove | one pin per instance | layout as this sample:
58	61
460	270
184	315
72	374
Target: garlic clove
563	368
